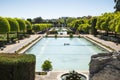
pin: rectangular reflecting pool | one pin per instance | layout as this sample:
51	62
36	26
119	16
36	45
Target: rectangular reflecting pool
74	56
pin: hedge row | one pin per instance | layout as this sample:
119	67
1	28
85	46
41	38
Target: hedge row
70	32
53	32
17	67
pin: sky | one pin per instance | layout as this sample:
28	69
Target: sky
49	9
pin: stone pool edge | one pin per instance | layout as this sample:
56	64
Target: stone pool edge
29	45
98	44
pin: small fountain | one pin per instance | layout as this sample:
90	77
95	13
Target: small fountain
72	75
62	31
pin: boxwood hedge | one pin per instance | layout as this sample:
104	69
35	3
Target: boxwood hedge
17	67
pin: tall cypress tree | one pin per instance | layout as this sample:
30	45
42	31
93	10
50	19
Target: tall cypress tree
117	6
93	25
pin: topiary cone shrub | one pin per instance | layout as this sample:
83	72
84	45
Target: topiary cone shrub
17	67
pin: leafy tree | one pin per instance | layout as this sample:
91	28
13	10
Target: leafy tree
77	23
30	20
85	28
47	66
69	20
28	26
84	25
108	22
117	29
36	27
113	23
14	26
106	25
41	27
103	23
99	21
22	25
38	20
81	24
4	27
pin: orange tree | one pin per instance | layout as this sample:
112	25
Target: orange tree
14	26
22	26
4	27
28	27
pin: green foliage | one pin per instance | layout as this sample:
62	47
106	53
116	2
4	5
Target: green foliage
69	32
41	27
38	20
4	25
36	27
93	25
53	32
55	35
71	35
77	23
47	66
109	22
42	73
73	76
46	35
29	19
22	25
17	67
118	28
69	20
112	24
84	27
82	24
28	25
14	26
117	6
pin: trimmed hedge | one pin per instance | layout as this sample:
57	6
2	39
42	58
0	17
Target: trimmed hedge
17	67
69	32
53	32
71	35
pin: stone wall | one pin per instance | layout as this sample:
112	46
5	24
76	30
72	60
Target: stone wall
105	66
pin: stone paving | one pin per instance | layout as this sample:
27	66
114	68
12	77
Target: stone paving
107	43
14	47
50	76
55	75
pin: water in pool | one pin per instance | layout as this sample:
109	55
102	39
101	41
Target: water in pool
74	56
